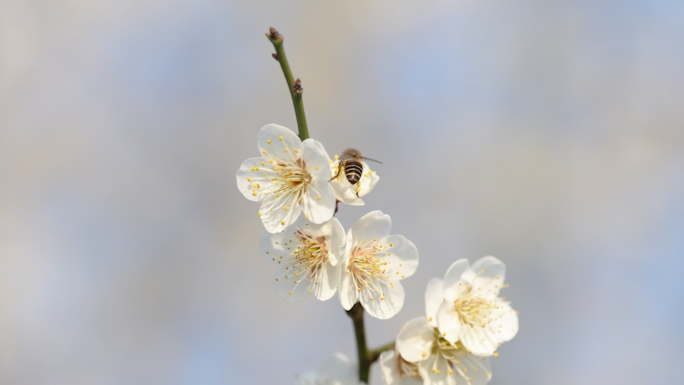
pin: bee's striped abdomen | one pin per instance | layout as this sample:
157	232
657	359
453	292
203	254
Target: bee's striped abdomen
353	170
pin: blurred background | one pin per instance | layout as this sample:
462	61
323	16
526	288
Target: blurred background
547	133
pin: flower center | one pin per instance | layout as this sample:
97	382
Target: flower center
311	254
457	357
367	269
472	309
291	178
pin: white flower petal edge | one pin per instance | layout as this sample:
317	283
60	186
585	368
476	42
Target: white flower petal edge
471	312
308	259
291	176
374	264
434	296
397	371
335	369
350	194
415	340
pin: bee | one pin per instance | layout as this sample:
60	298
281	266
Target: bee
350	162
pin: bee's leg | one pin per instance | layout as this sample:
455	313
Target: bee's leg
339	170
337	202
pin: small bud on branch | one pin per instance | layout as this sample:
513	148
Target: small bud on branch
297	88
275	56
275	34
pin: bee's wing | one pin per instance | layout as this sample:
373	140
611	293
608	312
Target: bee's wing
372	160
344	157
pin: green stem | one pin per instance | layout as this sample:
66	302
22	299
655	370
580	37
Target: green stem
294	86
356	314
375	354
366	357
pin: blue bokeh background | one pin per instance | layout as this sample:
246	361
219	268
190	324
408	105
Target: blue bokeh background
547	133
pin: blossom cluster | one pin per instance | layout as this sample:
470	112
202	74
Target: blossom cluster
298	187
465	322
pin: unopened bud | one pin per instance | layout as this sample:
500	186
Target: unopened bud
274	33
297	88
275	56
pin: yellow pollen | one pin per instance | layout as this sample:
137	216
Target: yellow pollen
422	354
496	354
289	292
259	214
264	152
276	279
254	193
285	208
316	167
451	372
319	197
249	179
306	217
268	141
280	138
263	163
282	223
337	157
285	150
483	270
296	151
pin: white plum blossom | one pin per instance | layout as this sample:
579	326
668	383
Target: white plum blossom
374	263
349	193
471	311
439	361
397	371
335	369
307	256
289	178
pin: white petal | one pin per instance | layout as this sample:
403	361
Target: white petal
290	287
272	247
479	371
337	369
402	255
386	302
433	298
415	340
453	277
274	214
367	183
345	192
390	367
327	280
505	324
448	321
478	340
337	242
317	162
490	275
372	225
318	202
348	292
248	178
276	148
435	371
